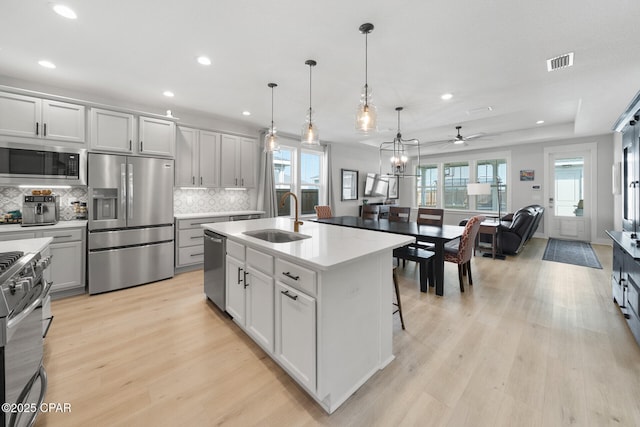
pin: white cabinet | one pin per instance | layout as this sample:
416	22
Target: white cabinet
235	295
198	158
249	296
67	264
295	323
112	130
237	161
190	241
124	133
32	117
67	269
156	136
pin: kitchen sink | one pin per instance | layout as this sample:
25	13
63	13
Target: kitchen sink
274	235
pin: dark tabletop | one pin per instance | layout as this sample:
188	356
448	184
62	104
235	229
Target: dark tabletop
421	232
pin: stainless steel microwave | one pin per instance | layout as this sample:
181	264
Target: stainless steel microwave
20	164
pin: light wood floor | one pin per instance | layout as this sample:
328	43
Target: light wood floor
533	343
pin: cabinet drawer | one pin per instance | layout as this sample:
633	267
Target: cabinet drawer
260	261
197	222
63	235
296	276
191	255
191	237
16	236
235	250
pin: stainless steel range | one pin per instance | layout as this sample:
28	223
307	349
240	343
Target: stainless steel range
23	382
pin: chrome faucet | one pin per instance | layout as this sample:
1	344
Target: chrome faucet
297	223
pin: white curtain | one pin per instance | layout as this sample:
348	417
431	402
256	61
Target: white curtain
266	186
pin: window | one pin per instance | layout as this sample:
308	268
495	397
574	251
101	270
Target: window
282	177
427	185
456	177
310	181
298	171
486	172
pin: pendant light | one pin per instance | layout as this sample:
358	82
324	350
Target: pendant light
310	135
271	139
366	117
400	151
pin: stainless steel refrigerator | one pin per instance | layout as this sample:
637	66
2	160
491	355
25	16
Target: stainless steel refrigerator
130	238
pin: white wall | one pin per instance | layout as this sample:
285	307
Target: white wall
520	193
362	158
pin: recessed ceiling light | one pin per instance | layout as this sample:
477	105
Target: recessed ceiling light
65	11
46	64
246	113
539	122
447	96
168	94
204	60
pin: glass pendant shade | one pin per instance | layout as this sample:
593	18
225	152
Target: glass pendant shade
271	143
310	134
367	115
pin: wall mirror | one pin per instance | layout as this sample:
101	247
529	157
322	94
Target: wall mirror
349	184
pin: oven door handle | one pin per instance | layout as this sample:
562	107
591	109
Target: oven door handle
15	416
29	309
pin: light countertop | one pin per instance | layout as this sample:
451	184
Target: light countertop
25	245
328	246
5	228
216	214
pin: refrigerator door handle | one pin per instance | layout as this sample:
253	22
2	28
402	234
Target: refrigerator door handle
130	192
123	190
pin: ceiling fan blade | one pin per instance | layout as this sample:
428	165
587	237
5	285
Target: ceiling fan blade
475	135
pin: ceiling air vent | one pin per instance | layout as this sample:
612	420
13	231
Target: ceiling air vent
562	61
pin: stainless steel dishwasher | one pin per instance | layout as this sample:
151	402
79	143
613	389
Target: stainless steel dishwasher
214	274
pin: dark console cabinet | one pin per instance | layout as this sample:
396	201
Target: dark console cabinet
625	279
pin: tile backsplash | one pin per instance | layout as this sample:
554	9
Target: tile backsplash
187	200
11	199
184	200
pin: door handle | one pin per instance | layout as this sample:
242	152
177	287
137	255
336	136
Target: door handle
130	166
287	294
239	271
246	283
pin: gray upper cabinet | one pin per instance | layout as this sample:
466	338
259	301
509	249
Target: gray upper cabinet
156	136
237	161
124	133
38	118
198	158
112	131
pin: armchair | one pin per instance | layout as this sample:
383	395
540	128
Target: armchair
515	234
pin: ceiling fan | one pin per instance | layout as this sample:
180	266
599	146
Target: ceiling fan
459	139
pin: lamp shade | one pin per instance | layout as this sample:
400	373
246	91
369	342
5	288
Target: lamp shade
477	189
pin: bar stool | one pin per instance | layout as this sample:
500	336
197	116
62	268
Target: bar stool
398	304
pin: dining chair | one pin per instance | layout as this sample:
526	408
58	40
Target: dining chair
323	211
370	212
398	214
430	216
460	252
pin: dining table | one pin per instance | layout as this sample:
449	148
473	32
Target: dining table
436	235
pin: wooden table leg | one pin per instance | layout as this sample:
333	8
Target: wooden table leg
438	268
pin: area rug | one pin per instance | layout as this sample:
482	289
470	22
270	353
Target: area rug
571	252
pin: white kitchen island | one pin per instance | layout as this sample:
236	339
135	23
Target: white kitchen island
321	307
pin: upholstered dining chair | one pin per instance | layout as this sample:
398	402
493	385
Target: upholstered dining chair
398	214
370	212
460	252
323	212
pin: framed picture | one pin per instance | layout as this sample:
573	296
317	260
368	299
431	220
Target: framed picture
527	175
349	184
393	187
